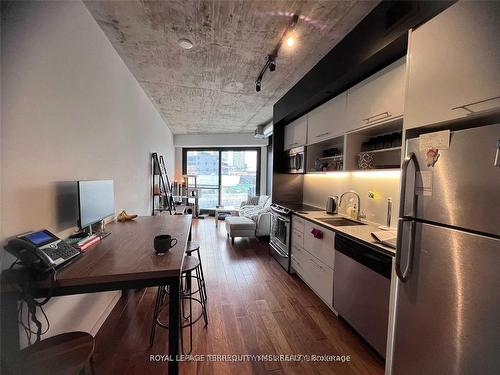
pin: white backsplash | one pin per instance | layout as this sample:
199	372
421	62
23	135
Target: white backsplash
385	184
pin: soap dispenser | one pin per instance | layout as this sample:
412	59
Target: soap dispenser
354	210
351	211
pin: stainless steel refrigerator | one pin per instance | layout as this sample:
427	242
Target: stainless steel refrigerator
447	302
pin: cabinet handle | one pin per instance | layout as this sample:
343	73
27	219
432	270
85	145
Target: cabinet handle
377	117
318	234
322	134
469	104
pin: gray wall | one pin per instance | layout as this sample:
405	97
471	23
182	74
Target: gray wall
70	110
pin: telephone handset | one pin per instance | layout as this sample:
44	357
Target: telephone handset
41	250
29	254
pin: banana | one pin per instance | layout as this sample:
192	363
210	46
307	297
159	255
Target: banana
123	216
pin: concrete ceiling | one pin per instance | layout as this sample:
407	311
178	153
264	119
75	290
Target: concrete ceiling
211	87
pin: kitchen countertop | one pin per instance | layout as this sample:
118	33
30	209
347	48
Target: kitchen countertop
360	233
299	207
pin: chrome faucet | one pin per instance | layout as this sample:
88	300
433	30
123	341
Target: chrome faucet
359	201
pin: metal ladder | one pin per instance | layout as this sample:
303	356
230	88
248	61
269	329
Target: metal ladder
162	196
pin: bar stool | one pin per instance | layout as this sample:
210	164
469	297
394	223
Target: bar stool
193	246
190	265
67	353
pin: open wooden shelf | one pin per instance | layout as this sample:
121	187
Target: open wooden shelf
381	150
316	151
332	158
390	156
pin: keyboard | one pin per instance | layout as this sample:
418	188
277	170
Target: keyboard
60	252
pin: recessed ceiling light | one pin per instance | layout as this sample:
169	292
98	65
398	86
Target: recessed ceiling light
290	41
185	43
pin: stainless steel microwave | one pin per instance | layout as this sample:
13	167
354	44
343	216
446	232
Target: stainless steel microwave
296	160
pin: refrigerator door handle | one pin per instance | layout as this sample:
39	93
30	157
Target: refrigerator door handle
404	172
404	275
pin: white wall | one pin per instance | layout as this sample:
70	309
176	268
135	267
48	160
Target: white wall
70	110
178	164
385	184
263	169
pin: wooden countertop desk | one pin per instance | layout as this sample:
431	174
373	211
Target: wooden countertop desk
124	260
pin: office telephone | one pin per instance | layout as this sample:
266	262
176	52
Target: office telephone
41	250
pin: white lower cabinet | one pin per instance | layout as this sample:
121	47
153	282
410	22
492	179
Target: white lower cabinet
313	259
298	223
323	247
297	238
320	278
298	260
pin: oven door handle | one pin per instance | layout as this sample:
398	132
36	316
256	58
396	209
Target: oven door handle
277	212
280	251
284	219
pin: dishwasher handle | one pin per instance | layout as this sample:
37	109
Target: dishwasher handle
372	259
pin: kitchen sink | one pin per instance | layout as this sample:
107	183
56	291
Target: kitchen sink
340	222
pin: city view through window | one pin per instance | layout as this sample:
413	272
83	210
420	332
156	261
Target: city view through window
236	181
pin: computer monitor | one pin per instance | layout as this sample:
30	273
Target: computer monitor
96	201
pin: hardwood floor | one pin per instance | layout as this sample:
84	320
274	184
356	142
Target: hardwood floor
254	307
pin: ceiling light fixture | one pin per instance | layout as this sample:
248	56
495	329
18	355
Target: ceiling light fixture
185	43
271	58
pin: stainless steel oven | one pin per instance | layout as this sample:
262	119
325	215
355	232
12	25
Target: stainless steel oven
280	235
296	160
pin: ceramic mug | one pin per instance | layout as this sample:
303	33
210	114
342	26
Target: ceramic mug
163	243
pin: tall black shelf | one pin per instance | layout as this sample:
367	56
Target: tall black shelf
160	186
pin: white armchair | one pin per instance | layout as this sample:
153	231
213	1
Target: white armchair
259	210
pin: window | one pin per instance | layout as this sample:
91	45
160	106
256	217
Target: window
225	176
205	165
238	176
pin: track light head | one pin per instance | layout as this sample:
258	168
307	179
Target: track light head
271	58
271	62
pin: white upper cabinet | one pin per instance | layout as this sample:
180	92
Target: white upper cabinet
379	98
289	136
454	64
296	133
328	120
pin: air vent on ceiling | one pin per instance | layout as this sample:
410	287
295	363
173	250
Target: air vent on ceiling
264	131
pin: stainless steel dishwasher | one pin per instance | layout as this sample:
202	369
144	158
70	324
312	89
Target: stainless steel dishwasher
361	290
